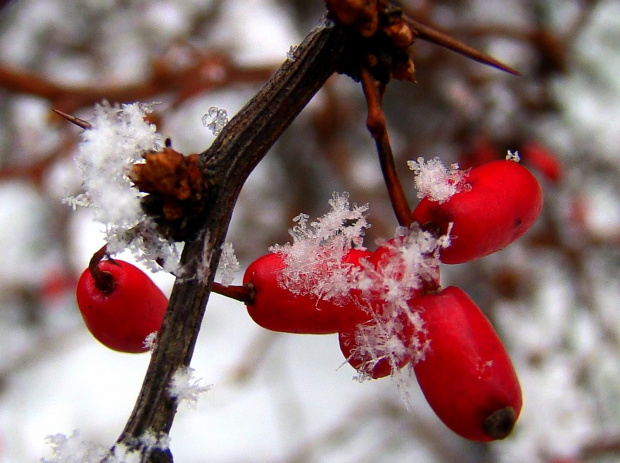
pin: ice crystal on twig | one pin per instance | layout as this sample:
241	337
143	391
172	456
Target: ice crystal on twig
184	387
215	120
228	264
74	449
436	182
150	341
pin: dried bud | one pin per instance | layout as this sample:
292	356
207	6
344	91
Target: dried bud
175	185
400	34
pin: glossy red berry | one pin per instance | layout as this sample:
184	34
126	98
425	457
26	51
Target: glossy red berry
277	308
123	314
501	200
466	374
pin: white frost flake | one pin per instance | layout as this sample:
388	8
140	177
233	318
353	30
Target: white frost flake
150	341
314	261
513	156
118	138
228	264
436	182
184	387
215	120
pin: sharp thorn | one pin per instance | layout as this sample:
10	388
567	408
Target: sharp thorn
75	120
444	40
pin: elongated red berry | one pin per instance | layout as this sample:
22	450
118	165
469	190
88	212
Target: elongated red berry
277	308
466	374
126	311
500	201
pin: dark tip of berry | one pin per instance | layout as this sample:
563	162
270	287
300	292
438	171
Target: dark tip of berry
499	424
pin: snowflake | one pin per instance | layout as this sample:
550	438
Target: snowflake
513	156
184	387
215	120
228	264
74	449
118	138
434	181
314	261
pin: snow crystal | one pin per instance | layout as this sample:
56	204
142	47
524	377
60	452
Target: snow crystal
314	261
228	264
436	182
184	387
118	138
215	120
315	266
510	156
74	449
150	340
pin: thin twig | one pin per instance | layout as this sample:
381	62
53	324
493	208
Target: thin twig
373	91
432	35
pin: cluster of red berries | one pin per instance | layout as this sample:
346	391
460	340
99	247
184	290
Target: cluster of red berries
458	359
392	312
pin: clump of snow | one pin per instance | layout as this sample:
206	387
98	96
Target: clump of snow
408	263
435	181
184	387
215	120
74	449
228	264
314	261
513	156
119	137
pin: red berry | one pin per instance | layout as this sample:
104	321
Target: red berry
124	316
501	202
466	374
278	309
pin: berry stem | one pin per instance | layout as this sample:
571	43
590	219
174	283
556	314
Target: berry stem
373	91
245	293
104	281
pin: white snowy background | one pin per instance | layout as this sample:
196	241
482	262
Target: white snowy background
278	397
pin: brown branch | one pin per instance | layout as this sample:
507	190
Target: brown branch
227	163
373	91
209	72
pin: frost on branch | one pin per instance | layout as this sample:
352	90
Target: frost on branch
184	387
228	264
74	449
215	120
118	138
436	182
314	261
